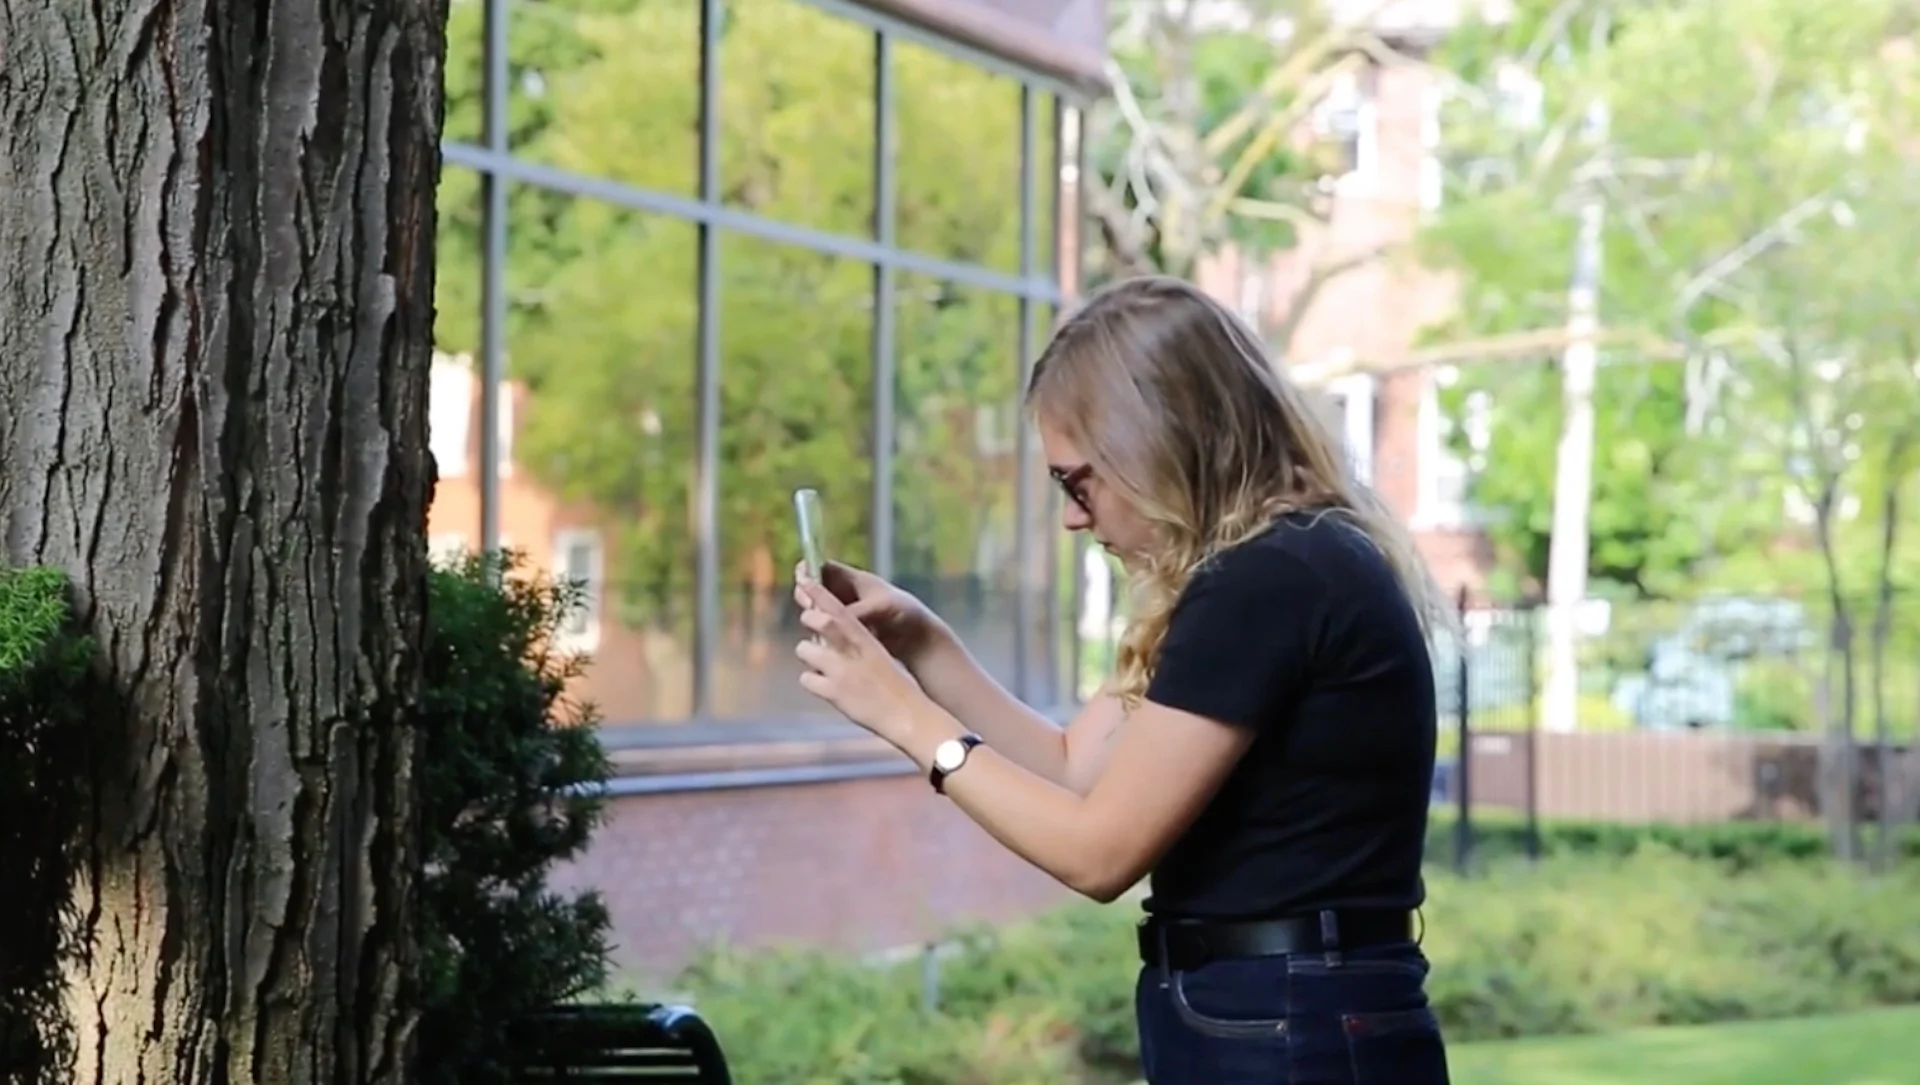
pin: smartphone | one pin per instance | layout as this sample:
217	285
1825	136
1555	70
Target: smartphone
813	545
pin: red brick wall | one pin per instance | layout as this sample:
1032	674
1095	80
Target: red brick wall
1378	311
861	865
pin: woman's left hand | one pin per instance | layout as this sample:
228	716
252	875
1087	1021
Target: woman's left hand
850	669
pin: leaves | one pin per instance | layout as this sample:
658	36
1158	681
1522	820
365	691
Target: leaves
1756	177
511	782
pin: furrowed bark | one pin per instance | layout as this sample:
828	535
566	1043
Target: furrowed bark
216	270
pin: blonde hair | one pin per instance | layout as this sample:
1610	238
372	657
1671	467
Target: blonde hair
1173	401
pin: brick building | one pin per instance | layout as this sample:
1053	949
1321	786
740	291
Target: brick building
1393	423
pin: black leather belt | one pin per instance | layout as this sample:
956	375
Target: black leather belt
1185	944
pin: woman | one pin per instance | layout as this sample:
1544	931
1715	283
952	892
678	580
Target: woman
1265	748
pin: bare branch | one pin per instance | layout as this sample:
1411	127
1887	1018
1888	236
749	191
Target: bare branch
1277	128
1299	217
1305	59
1301	303
1118	230
1746	252
1528	346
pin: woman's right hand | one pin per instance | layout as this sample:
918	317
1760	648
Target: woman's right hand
898	619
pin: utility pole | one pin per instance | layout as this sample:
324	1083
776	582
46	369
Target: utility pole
1573	458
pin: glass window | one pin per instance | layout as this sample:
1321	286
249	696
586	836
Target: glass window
955	460
1047	180
608	88
466	71
505	409
797	389
580	560
597	421
958	159
1349	404
453	385
796	115
600	343
1049	678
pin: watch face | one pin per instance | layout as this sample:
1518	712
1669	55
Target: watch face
949	755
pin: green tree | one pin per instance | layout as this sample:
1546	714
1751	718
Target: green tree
1706	171
1749	151
1660	515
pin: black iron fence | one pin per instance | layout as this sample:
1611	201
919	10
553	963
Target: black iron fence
1709	711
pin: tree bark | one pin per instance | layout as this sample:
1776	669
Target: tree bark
216	271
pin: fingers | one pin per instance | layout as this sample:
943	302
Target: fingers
815	596
813	654
837	630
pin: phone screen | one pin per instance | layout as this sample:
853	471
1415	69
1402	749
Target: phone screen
813	546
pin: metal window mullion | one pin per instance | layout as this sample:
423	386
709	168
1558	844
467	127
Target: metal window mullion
493	270
733	220
706	469
885	195
1025	613
1065	684
1065	259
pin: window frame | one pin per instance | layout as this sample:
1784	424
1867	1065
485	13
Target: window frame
1042	285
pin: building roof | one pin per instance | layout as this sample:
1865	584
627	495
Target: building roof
1063	38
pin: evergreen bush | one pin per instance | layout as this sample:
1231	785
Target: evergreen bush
511	779
43	769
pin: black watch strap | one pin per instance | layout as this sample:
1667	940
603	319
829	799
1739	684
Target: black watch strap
937	776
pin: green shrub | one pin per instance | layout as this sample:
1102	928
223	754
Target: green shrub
44	741
1737	844
504	794
510	783
1573	945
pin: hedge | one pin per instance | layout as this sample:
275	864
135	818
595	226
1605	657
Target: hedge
1572	945
1737	844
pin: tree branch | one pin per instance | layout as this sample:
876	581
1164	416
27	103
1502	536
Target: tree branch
1118	230
1527	346
1317	278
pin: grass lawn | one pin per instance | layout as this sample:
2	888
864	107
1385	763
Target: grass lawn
1874	1048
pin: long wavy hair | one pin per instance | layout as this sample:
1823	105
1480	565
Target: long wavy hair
1175	404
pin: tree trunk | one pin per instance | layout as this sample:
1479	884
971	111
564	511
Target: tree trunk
1840	761
216	272
1887	773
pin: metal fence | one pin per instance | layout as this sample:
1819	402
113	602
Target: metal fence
1715	710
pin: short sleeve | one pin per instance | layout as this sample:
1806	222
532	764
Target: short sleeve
1239	645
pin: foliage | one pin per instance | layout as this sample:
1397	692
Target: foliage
1660	514
1227	130
1197	131
43	765
1756	177
1739	846
510	778
1574	945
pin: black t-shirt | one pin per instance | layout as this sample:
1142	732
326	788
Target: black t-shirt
1303	634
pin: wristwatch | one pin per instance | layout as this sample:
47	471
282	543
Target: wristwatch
947	759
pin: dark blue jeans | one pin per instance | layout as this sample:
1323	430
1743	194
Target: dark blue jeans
1360	1017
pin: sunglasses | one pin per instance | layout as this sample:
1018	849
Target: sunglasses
1070	479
